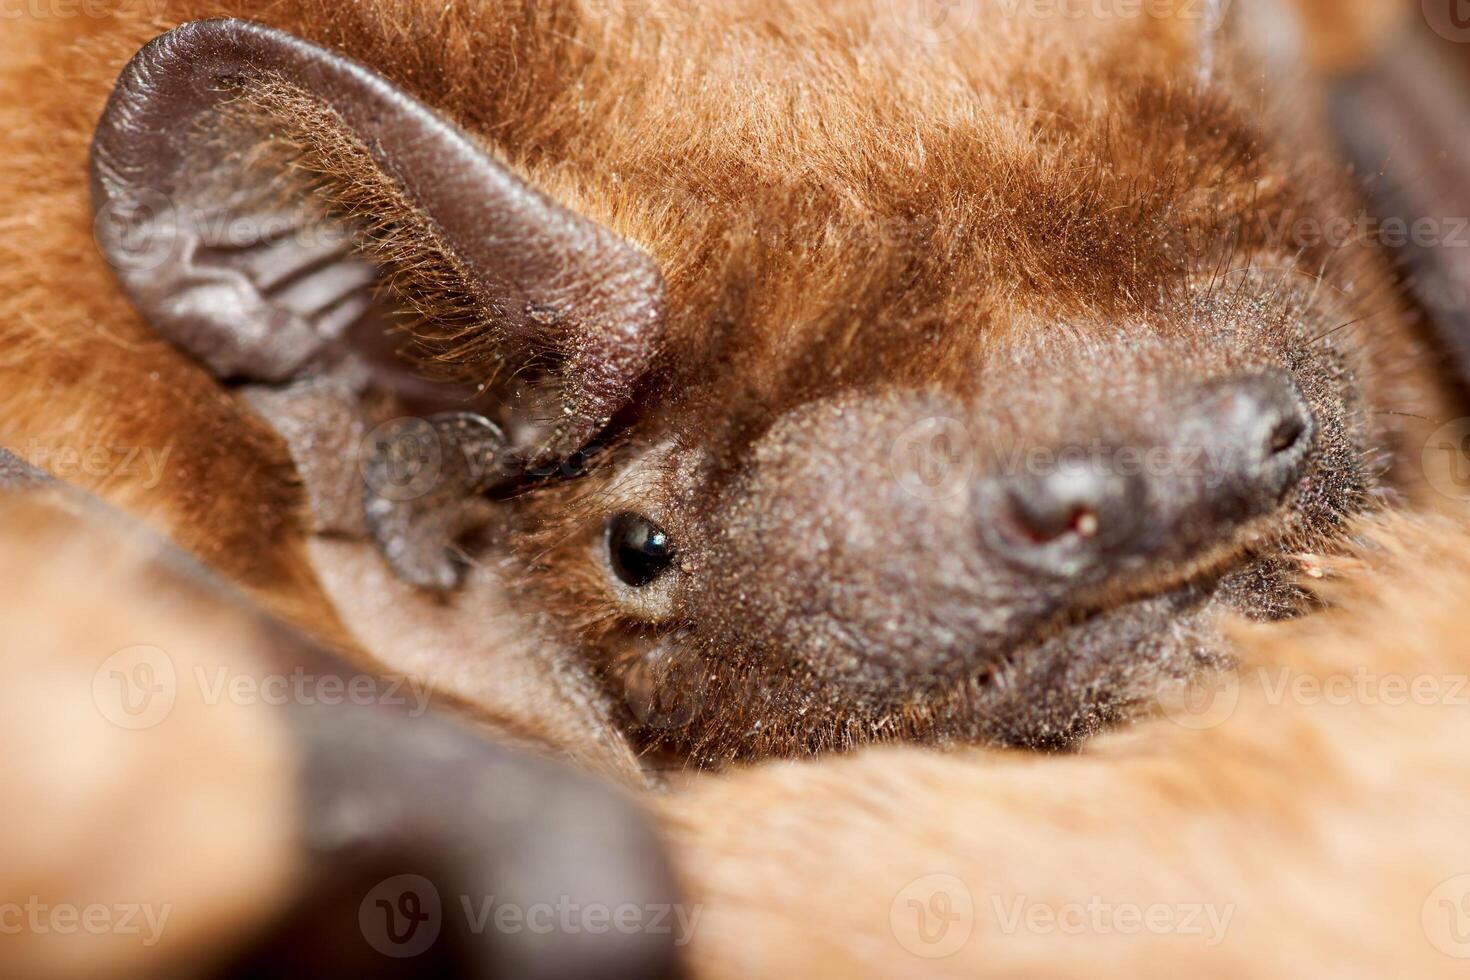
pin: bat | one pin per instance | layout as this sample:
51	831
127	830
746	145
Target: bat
1062	397
837	381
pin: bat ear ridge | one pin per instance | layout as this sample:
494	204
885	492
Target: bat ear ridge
274	209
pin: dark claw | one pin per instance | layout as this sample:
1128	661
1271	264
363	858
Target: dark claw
423	486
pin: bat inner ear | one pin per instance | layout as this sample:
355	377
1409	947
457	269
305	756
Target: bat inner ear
242	266
292	220
263	270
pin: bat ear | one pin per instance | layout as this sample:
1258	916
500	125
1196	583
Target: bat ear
271	266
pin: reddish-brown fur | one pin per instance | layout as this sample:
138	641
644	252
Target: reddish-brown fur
1323	824
848	222
191	814
783	207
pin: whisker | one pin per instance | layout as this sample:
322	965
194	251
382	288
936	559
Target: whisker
1328	333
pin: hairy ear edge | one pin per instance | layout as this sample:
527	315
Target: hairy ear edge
209	253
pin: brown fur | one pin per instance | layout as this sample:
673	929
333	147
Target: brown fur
104	381
209	848
885	229
782	207
1326	826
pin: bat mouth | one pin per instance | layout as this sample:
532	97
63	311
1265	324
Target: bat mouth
1256	584
1102	665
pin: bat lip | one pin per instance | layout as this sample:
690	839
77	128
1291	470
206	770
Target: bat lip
1193	604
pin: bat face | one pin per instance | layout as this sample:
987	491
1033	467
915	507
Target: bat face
943	398
993	475
1012	527
1016	572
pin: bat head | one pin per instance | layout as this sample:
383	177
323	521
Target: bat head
862	402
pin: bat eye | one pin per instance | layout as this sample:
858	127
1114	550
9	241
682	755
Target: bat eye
639	549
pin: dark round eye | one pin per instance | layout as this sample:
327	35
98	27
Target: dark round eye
639	549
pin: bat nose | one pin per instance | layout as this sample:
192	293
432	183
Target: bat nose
1254	434
1225	452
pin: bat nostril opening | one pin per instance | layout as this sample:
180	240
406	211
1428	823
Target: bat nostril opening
1036	520
1062	522
1286	435
1257	429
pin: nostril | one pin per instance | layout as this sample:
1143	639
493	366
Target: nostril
1039	518
1061	521
1256	431
1281	431
1286	435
